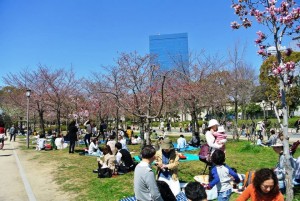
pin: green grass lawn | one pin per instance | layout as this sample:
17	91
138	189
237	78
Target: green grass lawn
74	172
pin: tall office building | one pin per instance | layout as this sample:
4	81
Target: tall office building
170	51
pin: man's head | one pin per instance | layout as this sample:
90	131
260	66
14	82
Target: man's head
148	152
118	145
194	191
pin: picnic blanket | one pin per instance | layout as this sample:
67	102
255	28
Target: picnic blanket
189	148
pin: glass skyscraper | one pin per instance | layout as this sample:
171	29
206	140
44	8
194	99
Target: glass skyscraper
170	51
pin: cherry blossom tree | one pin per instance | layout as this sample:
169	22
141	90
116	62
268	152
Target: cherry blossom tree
197	88
137	87
280	20
60	84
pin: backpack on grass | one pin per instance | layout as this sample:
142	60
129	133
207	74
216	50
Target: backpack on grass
204	153
249	176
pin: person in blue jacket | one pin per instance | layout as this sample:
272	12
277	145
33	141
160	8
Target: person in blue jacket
222	176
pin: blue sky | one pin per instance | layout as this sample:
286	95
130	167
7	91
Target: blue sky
88	34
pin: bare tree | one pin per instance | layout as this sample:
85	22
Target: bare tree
138	88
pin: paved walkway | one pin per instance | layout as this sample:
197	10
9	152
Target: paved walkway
14	183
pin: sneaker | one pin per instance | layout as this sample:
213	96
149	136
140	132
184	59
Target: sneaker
95	171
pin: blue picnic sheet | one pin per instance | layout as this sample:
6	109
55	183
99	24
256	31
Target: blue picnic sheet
188	148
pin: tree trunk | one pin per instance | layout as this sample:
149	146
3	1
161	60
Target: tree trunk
58	119
286	149
42	124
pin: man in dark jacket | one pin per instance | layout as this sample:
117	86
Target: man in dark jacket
124	160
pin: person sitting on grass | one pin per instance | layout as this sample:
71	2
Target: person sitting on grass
273	138
108	160
165	191
280	169
112	142
195	192
124	160
145	186
222	176
264	187
41	141
93	148
259	141
181	143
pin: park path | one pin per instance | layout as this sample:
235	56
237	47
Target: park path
25	179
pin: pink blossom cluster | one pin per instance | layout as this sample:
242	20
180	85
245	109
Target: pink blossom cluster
287	20
235	25
238	8
262	48
287	67
261	35
258	15
246	23
296	13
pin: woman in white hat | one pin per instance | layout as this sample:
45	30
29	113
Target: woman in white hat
210	138
167	161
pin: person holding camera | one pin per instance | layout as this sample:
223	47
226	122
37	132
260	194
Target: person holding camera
167	161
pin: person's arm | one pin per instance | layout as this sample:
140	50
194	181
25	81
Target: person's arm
235	175
118	157
151	182
246	194
174	164
215	177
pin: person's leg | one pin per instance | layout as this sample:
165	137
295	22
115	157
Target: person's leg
10	137
71	148
89	138
224	196
85	140
14	137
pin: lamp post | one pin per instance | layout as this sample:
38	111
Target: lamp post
28	91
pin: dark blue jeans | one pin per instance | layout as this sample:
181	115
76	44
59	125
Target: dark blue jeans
13	136
87	140
72	146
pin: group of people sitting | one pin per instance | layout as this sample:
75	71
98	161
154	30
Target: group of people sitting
54	142
113	155
147	184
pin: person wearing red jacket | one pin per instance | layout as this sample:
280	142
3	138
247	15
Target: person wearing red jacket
2	135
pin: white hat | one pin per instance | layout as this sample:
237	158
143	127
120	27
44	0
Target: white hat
221	129
213	122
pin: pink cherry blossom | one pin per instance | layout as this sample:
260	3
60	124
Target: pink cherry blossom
235	25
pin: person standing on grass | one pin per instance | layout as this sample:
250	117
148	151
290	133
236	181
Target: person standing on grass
210	138
89	129
145	186
222	176
72	129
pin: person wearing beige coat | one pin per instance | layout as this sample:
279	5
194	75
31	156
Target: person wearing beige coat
167	161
